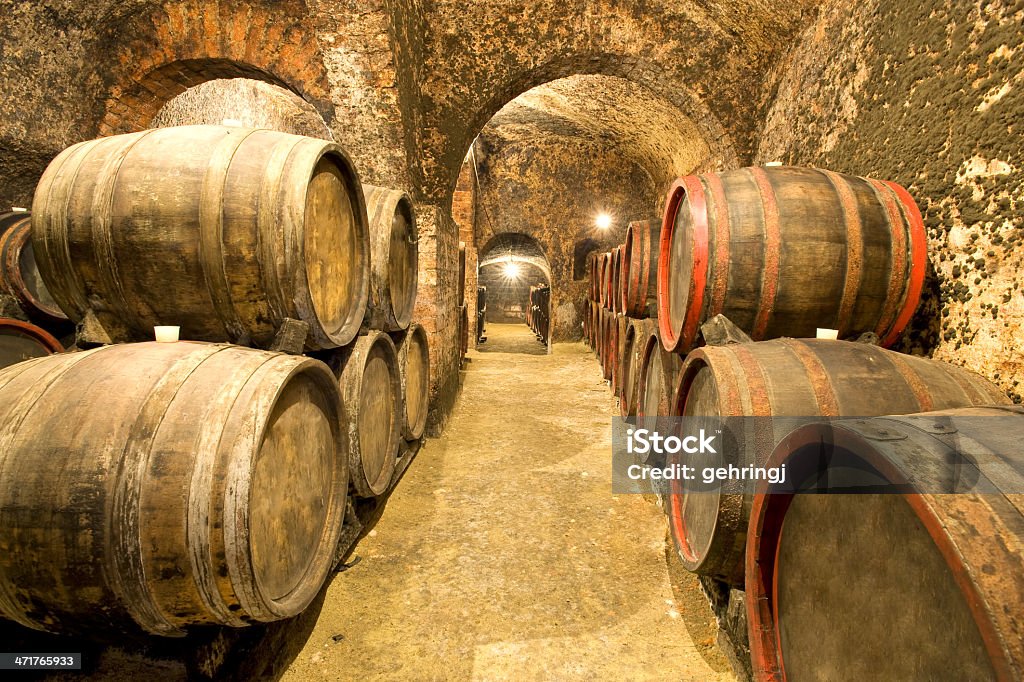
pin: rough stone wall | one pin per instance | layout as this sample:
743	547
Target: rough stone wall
253	104
930	95
437	308
537	186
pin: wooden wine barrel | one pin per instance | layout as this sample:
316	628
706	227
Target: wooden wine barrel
394	258
19	275
609	344
614	299
223	231
371	395
460	296
593	276
413	353
637	333
641	286
783	251
657	378
793	378
618	356
606	280
909	585
167	485
20	341
626	256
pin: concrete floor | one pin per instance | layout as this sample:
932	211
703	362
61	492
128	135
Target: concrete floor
503	555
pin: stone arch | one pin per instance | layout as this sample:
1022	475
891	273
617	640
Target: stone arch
629	68
180	45
518	247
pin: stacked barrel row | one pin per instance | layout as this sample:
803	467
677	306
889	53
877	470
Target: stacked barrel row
713	312
538	312
206	480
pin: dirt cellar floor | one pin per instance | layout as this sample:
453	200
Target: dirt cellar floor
503	555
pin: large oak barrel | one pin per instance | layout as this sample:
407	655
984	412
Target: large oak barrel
167	485
640	290
626	255
657	377
593	266
606	280
394	258
618	357
413	352
609	342
637	334
225	232
20	341
783	251
614	297
604	264
19	274
372	401
793	378
912	584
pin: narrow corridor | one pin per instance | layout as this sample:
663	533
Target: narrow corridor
503	555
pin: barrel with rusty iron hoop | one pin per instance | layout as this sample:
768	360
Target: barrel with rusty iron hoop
640	290
657	378
637	333
593	263
793	378
783	251
19	274
614	296
21	341
165	485
914	583
225	232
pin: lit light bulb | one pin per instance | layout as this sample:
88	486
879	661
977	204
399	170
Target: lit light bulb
511	271
603	221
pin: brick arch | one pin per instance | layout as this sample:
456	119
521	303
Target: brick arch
183	44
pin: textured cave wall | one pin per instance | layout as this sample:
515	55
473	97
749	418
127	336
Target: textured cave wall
930	95
253	104
551	187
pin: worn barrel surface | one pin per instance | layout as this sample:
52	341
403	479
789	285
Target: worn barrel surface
915	584
167	485
783	251
225	232
793	378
